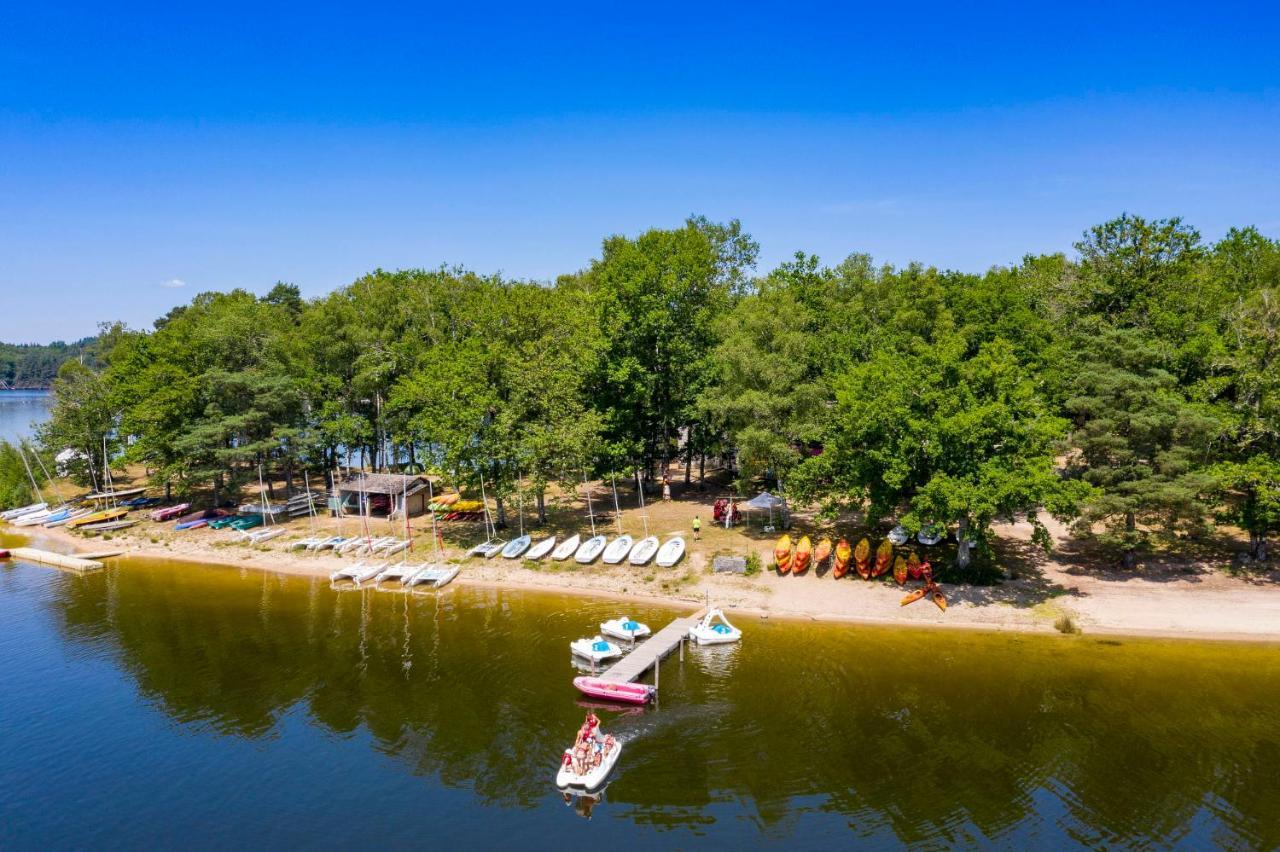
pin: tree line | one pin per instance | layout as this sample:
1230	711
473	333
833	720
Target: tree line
1129	386
34	366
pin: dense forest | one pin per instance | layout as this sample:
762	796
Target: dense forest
1128	386
32	365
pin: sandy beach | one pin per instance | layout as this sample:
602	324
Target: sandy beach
1177	601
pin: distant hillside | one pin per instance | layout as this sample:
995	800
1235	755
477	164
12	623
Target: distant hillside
31	365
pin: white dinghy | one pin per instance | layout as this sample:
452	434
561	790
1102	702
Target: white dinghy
644	550
590	549
596	650
541	549
30	519
618	550
671	552
516	547
625	629
567	548
22	510
714	629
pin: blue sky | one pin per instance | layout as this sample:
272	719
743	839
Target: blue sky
160	151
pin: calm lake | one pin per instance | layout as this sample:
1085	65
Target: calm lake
19	410
182	706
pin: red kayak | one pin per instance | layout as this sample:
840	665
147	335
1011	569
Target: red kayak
4	554
630	693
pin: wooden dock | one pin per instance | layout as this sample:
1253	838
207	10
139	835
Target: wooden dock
649	652
60	560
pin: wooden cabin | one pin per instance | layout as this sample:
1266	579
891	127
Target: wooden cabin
384	494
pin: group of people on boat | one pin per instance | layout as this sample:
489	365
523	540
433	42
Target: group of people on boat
590	746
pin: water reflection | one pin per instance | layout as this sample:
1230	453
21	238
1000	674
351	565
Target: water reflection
888	735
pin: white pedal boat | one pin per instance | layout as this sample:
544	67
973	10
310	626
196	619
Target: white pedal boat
671	552
516	546
590	549
597	650
618	550
898	535
931	534
566	548
644	550
436	576
595	777
541	549
624	628
714	629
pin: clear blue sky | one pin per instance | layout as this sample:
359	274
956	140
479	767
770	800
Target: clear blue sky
154	151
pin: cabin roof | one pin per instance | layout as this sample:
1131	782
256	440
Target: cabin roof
392	484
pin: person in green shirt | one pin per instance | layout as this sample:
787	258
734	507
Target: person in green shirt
697	528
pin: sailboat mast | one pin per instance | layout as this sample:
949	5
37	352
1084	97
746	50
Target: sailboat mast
590	512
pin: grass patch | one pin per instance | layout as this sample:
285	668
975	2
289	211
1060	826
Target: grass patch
1066	625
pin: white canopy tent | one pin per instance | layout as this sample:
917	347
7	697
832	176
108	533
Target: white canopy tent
766	502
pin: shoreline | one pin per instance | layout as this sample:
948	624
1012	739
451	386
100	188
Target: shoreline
768	596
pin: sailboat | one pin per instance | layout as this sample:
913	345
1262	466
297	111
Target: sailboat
590	548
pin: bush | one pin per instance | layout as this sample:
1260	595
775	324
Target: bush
1066	624
753	565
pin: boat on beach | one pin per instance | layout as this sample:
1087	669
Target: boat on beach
30	519
107	526
358	573
617	550
168	513
516	546
671	552
11	514
590	549
567	548
63	518
436	576
644	550
97	518
612	690
542	548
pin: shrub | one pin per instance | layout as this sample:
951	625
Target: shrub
1066	624
753	565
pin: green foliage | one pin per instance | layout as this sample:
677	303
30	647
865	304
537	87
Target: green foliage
15	484
32	365
754	565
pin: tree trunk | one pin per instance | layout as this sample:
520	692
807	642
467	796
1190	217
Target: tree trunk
168	491
702	470
963	555
1258	546
501	519
1130	558
688	455
542	506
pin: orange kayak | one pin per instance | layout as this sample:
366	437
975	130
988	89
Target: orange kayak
782	554
862	559
939	600
822	552
900	570
884	553
913	597
843	552
804	550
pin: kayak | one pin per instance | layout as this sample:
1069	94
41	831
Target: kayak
98	518
610	690
843	554
862	559
884	553
900	570
939	599
913	597
822	552
782	554
913	566
170	512
804	550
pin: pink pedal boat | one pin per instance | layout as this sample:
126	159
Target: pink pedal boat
610	690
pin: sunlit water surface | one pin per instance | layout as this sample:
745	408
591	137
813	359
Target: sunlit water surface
180	706
20	411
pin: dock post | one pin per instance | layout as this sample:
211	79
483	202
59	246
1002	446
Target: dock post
682	650
657	664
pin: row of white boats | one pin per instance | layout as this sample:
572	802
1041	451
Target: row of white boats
712	629
624	547
400	574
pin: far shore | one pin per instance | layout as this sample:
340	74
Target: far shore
1202	605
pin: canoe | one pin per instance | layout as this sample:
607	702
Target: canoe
618	550
567	548
900	570
590	549
913	566
862	559
804	551
169	512
97	518
644	550
884	554
609	690
671	552
843	554
782	554
541	549
913	597
822	552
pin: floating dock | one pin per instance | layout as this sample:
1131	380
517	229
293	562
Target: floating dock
649	652
58	560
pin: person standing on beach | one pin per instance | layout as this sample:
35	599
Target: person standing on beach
666	489
697	528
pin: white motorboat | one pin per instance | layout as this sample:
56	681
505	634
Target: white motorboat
898	535
516	546
597	650
435	576
590	549
617	550
624	628
714	629
13	514
644	550
30	519
567	548
931	534
542	548
671	552
595	776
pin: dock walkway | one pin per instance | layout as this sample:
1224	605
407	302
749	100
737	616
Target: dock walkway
647	654
60	560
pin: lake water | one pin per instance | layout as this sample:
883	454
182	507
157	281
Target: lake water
19	410
182	706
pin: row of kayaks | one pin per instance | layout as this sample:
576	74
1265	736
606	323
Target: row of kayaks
796	558
624	547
